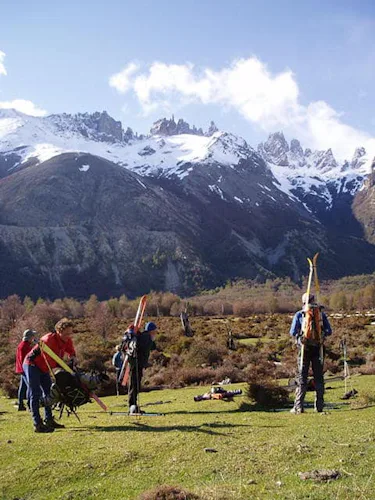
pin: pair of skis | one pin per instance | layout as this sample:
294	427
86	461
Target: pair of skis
125	369
313	272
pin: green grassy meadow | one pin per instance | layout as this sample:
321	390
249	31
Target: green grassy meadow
259	453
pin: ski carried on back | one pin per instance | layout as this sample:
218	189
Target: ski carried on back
312	323
125	369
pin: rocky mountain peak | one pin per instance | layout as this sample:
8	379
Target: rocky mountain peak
98	125
275	149
212	129
295	147
170	127
325	160
359	158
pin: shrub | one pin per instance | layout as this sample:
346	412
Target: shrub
195	376
204	353
242	308
165	492
268	394
263	388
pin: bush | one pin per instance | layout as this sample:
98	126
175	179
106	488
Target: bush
195	376
263	388
165	492
268	394
204	353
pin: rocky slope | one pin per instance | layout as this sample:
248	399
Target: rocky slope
88	208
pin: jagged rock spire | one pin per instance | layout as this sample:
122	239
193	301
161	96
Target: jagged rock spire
170	127
212	129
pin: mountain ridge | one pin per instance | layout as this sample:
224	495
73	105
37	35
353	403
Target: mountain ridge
209	206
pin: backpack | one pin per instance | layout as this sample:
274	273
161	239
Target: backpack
69	390
312	325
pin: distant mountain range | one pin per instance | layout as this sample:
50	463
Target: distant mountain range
88	207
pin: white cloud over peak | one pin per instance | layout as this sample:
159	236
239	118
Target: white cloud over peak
3	71
121	81
247	86
24	106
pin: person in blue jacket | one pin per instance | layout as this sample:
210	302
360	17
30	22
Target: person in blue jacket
312	354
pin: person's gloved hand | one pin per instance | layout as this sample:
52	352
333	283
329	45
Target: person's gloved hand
73	363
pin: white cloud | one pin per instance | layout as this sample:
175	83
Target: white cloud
121	81
24	106
268	100
325	129
3	71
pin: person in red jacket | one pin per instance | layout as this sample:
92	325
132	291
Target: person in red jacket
23	348
37	367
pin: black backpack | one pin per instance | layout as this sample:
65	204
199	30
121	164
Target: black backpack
69	391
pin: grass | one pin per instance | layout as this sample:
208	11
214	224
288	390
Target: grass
255	340
259	454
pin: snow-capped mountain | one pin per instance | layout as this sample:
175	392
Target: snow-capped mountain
208	206
174	149
160	154
313	173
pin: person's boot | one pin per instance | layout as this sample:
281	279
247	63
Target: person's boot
135	410
52	424
297	411
42	428
21	408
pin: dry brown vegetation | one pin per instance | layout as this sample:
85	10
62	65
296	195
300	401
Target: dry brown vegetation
258	316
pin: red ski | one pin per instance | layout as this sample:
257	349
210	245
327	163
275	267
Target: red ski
125	369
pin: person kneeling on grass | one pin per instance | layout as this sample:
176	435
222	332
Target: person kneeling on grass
37	366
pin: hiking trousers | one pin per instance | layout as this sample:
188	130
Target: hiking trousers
22	390
39	384
311	357
134	387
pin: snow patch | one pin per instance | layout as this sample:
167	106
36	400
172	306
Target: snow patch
84	168
215	189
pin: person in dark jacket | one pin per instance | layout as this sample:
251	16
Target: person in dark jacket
138	352
23	348
37	367
117	360
312	354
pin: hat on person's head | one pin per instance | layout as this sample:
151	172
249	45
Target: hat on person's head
29	334
304	298
150	326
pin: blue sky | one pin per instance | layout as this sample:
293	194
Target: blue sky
254	67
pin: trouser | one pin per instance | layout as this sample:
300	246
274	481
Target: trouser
311	355
22	390
135	378
39	384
